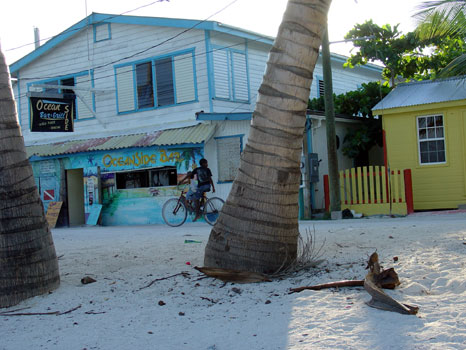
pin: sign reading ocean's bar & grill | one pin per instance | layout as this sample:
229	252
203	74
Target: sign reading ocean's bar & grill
51	114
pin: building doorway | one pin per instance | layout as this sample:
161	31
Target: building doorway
75	197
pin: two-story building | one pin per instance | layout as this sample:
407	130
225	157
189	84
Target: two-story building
152	96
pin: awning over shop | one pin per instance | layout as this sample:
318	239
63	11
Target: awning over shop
198	134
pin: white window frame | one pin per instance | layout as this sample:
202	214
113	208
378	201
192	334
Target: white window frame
435	138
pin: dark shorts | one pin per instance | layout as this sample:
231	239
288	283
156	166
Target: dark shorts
190	195
200	191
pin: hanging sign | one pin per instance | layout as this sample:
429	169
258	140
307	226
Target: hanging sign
51	114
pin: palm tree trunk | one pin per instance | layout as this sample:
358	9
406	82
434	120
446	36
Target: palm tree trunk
258	227
28	262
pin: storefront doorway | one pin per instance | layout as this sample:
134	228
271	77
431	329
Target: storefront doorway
75	196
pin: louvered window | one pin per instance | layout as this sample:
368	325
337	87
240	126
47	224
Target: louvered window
321	87
125	88
145	87
164	79
230	75
184	78
156	83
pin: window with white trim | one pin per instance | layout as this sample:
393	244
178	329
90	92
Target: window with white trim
155	83
228	156
230	75
431	139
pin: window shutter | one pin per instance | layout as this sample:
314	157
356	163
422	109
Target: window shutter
221	74
184	78
240	77
125	88
228	156
320	87
83	81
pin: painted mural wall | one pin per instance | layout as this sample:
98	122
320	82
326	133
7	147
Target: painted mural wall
131	184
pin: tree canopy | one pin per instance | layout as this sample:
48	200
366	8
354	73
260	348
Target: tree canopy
358	103
413	55
445	19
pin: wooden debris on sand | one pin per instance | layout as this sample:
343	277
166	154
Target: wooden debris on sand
227	275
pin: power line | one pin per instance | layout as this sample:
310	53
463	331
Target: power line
144	50
167	40
159	44
130	63
155	46
78	29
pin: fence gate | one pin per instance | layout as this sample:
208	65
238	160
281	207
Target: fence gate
374	191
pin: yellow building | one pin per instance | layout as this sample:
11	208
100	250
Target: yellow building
424	126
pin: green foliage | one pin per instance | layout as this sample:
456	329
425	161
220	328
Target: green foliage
398	53
443	22
358	103
359	141
419	55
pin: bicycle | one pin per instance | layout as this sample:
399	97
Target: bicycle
175	210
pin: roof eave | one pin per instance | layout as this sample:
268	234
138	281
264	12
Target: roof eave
415	108
96	18
56	40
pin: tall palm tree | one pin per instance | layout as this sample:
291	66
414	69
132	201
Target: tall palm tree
258	227
442	18
28	262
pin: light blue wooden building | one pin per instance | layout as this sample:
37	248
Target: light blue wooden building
152	96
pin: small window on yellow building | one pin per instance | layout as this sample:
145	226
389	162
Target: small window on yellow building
431	139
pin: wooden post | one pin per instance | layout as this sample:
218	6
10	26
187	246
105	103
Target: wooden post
326	193
409	191
385	162
330	126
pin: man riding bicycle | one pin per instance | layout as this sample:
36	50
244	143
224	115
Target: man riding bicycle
204	183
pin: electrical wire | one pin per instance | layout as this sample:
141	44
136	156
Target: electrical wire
146	49
151	47
113	74
78	29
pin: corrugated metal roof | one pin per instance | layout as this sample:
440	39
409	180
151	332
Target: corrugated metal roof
424	92
189	135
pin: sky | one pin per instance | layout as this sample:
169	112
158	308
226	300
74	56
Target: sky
19	17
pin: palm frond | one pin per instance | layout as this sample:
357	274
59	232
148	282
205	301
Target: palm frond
442	18
456	67
427	7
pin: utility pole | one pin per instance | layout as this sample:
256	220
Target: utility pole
307	189
334	184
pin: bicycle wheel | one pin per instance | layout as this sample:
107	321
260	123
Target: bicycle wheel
212	208
174	212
